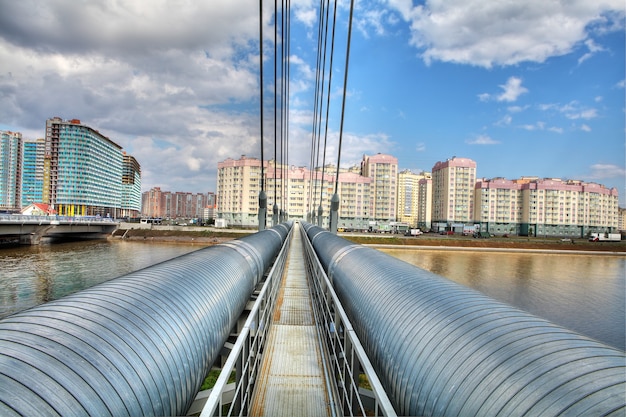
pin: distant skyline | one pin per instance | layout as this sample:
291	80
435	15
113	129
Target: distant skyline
524	89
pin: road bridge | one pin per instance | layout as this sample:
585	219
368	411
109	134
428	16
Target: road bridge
30	230
388	339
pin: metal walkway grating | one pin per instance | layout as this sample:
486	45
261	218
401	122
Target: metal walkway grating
291	380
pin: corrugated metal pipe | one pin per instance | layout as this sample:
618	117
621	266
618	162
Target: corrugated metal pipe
137	345
442	349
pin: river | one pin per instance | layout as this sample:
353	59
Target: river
585	293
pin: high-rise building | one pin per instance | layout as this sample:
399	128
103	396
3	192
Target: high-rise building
410	198
498	205
131	187
82	170
151	203
545	207
10	170
177	205
238	188
425	201
453	193
554	207
32	171
383	170
354	201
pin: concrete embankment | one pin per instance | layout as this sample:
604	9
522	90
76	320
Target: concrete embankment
211	236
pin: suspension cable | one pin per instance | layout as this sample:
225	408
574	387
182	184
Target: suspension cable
345	89
261	87
330	78
314	139
321	100
286	45
275	100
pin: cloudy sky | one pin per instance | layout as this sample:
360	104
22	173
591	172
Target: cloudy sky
533	88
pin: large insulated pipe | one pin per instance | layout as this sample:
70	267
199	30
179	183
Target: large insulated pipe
137	345
442	349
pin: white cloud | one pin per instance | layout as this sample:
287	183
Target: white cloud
512	89
593	48
180	97
516	109
482	140
505	121
604	171
420	147
585	128
487	33
572	110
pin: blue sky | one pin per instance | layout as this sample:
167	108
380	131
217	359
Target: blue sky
531	88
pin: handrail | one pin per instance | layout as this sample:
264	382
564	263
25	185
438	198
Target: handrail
23	218
347	356
244	356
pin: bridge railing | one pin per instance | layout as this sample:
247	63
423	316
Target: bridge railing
359	390
24	218
245	357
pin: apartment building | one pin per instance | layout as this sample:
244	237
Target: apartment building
425	201
82	170
383	170
303	190
413	199
238	188
177	205
32	171
448	199
354	201
453	184
151	202
299	192
498	205
10	170
131	187
545	207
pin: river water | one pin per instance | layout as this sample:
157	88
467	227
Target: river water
31	275
585	293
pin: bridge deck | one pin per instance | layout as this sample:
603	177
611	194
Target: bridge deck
291	380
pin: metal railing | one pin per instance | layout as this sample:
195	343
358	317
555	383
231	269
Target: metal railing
245	357
344	353
23	218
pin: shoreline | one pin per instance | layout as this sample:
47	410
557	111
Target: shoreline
497	249
211	236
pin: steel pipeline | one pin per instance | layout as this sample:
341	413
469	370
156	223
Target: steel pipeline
137	345
442	349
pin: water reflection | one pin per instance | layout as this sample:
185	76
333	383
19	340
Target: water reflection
586	293
32	275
